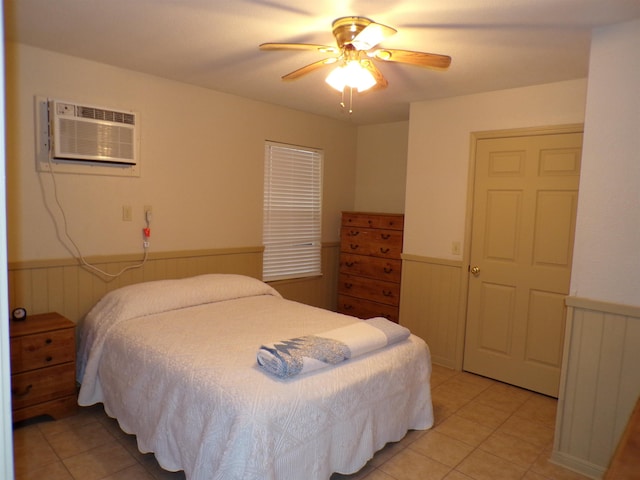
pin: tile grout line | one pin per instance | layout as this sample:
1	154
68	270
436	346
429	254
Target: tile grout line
493	429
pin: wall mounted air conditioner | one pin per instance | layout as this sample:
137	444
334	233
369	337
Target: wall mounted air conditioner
80	138
92	134
85	134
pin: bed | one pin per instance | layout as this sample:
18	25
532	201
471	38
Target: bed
174	361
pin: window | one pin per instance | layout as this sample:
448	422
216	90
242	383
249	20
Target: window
292	211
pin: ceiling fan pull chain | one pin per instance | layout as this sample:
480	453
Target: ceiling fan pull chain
350	100
343	106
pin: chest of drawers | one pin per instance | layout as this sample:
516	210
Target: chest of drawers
370	265
43	366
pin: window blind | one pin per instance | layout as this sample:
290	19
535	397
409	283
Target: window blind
292	211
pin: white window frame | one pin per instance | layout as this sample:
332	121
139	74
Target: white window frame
292	211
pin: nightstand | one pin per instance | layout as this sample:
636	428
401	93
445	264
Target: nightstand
43	366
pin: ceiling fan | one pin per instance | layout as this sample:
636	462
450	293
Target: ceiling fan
357	41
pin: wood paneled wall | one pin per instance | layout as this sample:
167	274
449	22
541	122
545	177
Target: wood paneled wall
430	306
600	383
317	291
66	287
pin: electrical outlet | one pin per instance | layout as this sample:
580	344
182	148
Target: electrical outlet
455	248
126	213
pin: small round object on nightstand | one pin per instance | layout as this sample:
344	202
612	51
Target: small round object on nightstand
19	314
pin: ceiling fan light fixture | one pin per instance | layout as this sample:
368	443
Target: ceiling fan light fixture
352	75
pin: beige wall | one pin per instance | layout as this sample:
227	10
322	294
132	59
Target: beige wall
201	155
433	291
600	383
382	167
438	158
607	253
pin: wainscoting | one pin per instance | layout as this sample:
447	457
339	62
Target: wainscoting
600	383
316	291
68	288
430	306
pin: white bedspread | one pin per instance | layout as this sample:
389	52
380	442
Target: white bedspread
186	382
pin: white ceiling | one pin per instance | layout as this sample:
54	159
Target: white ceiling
495	44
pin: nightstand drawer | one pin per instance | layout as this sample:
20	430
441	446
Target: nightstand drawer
42	385
42	350
43	366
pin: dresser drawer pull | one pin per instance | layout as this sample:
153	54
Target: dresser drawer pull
348	285
388	269
354	246
48	341
387	293
24	393
49	358
354	233
384	250
346	306
385	236
349	264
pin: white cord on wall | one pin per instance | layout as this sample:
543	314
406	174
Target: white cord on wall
80	256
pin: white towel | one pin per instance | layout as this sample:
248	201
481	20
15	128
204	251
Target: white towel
305	354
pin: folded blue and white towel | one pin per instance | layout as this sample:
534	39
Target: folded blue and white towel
305	354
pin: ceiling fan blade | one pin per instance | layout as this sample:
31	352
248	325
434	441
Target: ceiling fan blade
381	82
372	35
299	46
309	68
420	59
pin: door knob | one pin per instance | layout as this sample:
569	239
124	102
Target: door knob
475	270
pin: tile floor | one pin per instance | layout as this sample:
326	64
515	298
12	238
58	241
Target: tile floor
484	430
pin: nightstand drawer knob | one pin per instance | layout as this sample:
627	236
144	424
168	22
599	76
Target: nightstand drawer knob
48	341
23	393
49	358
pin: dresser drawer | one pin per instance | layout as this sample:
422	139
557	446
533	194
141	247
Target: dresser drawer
42	350
358	307
42	385
369	289
374	267
389	222
378	243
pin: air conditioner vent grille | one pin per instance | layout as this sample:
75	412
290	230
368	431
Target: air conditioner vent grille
94	140
92	134
109	115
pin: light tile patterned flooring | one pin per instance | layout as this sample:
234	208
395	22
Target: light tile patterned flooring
484	430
